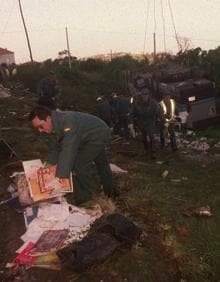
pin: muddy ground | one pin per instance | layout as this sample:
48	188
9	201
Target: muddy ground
178	248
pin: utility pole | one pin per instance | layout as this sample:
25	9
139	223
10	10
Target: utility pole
154	35
26	32
68	48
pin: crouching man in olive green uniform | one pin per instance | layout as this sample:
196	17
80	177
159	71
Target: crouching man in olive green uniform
76	141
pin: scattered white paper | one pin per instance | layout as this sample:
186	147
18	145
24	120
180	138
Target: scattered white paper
61	216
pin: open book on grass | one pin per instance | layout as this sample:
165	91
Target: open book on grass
42	182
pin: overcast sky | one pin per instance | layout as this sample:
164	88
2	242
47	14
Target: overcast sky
98	26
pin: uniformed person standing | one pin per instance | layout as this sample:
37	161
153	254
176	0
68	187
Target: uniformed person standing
121	110
146	111
4	75
76	141
48	90
168	106
103	110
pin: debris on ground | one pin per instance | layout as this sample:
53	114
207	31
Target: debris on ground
42	182
111	232
6	149
183	230
176	180
50	227
165	173
51	224
116	169
4	92
202	211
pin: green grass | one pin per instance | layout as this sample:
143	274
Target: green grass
152	202
198	252
211	132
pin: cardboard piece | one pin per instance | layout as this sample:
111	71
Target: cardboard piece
42	182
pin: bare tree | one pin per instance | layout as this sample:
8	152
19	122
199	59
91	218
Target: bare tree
184	43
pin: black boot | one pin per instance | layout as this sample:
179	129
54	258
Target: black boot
152	155
162	142
173	143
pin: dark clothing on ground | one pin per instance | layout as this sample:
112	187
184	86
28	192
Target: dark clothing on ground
79	139
109	233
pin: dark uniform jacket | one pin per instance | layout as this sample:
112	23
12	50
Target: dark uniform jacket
146	114
48	88
48	91
72	132
121	106
104	111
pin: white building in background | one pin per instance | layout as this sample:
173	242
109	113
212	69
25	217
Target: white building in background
6	57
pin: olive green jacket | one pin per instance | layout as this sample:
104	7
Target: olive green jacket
72	131
146	114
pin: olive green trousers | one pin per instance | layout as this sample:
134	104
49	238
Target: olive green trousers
91	153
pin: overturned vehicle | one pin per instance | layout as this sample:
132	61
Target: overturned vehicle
192	89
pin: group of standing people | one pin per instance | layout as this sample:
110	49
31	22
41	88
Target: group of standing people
7	74
151	116
115	112
143	113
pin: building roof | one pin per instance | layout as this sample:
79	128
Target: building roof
5	51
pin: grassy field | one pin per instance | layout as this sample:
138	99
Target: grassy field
178	248
157	204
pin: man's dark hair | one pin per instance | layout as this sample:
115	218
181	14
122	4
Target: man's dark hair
41	112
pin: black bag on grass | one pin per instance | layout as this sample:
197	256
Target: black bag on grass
93	249
110	233
120	227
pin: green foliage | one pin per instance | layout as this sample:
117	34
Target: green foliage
213	57
30	75
92	65
209	61
123	63
70	76
211	132
190	57
88	79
